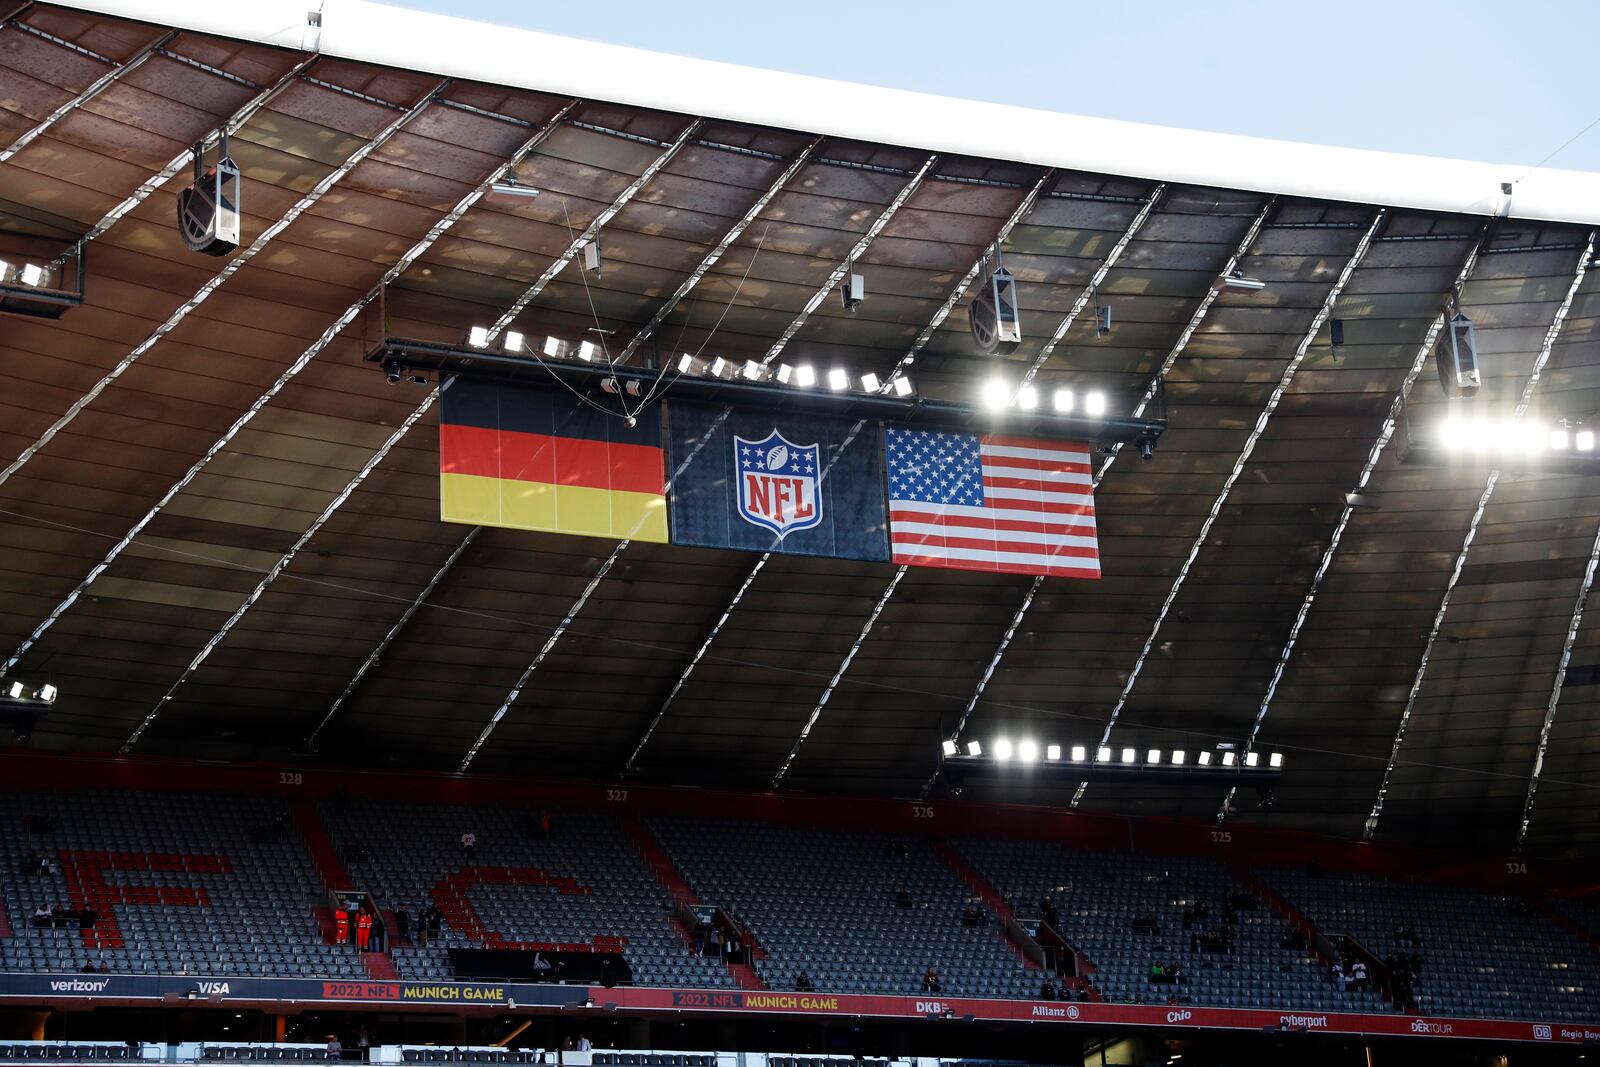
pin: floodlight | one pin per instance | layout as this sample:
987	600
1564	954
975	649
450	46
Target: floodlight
1002	748
1239	282
5	270
1027	398
586	350
1102	754
33	274
47	693
1063	400
901	386
1052	752
1094	404
1227	759
1027	751
1558	439
838	379
1178	757
1153	756
949	747
752	370
783	373
1129	755
870	383
719	367
805	376
996	393
1204	759
513	341
478	337
511	187
14	690
974	747
687	364
1275	760
552	347
1251	759
1584	440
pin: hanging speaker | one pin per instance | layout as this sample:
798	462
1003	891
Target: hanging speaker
208	210
1457	357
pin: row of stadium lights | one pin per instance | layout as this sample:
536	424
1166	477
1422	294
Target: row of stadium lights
1028	752
15	690
997	393
1481	435
26	274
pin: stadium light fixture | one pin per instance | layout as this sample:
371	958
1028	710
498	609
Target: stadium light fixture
805	376
752	371
1079	753
902	386
838	379
47	693
1064	399
478	337
870	383
1275	761
687	364
1583	440
949	746
33	274
14	690
783	374
513	341
1228	759
1028	751
1002	748
1558	439
1130	755
1204	759
512	187
1239	283
996	393
719	367
1094	404
5	271
552	347
1102	754
1027	398
974	747
1251	759
586	351
1178	756
1153	756
1052	752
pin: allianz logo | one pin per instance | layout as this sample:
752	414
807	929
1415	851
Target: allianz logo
78	985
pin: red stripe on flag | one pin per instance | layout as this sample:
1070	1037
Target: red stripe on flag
540	458
1046	569
984	522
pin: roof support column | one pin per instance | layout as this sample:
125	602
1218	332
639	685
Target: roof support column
1238	469
99	86
1373	455
1371	826
438	229
1039	361
202	294
583	598
899	371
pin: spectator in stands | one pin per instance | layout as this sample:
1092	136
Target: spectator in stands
930	980
87	918
1358	974
363	931
546	823
584	1044
44	866
902	897
802	983
341	927
972	915
1158	972
1047	909
335	1050
1340	979
43	914
469	844
1047	989
402	924
363	1044
88	967
103	968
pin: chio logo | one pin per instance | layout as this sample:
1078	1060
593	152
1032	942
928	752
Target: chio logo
1179	1016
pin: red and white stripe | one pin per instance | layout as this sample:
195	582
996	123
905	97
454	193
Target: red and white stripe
1037	518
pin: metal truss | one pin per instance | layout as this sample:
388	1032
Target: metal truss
438	230
856	252
719	251
1385	434
1082	302
99	86
202	294
1523	402
1167	364
610	561
1238	469
592	231
900	369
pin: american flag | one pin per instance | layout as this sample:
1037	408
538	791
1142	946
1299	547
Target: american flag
991	502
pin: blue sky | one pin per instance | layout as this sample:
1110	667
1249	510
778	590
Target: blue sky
1472	79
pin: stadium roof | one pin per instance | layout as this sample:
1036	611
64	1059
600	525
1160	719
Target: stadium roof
221	524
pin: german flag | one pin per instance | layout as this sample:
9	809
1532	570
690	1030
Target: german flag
529	459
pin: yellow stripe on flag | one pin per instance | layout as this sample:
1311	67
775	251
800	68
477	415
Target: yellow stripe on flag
569	509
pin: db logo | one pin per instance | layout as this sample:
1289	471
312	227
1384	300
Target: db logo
1179	1016
1541	1033
1072	1011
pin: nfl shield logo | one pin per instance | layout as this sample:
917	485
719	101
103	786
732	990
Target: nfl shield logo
778	483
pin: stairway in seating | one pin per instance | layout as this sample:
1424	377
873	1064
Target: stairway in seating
991	897
379	967
315	835
655	857
5	921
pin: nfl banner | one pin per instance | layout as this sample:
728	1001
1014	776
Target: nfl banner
773	482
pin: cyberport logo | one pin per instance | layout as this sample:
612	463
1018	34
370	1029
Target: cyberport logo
779	483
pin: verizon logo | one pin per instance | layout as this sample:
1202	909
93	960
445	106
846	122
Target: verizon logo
79	985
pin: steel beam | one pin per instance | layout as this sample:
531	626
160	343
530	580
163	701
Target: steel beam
1238	469
900	369
1385	434
202	294
1167	364
100	84
1523	402
592	231
438	229
720	250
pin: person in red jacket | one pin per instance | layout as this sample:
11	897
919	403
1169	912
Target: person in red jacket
341	926
363	931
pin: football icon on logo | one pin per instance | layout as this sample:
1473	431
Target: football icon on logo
777	456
